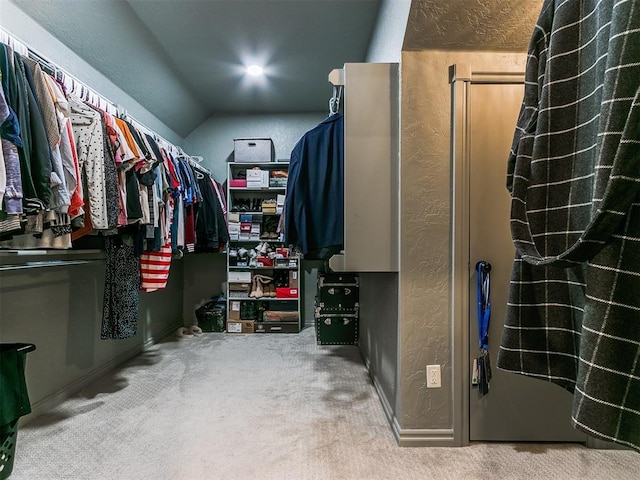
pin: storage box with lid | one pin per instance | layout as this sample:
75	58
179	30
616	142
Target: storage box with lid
337	329
253	150
338	291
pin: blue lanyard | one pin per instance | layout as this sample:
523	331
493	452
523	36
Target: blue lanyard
484	304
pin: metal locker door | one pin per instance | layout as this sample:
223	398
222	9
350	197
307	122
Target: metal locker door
517	408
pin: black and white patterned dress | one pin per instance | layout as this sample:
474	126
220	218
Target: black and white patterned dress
121	289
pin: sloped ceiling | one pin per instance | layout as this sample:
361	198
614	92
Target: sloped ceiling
183	59
486	25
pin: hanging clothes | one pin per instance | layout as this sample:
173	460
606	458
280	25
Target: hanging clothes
210	225
87	130
314	202
121	289
573	316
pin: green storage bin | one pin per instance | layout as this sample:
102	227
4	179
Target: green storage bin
338	291
8	437
337	329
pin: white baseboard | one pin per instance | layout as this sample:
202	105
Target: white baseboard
51	401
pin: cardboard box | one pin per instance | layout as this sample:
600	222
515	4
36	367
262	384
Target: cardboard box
240	326
293	279
245	227
246	218
286	292
234	227
239	277
268	207
238	183
234	217
280	316
253	150
234	310
239	290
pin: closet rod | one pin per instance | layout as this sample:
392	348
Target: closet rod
336	77
24	49
47	263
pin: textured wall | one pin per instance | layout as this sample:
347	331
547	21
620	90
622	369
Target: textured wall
385	45
425	285
471	24
214	138
59	309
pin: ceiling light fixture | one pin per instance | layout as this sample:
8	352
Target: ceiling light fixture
255	70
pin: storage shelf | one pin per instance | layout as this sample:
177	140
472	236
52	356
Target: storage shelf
264	298
261	204
245	212
259	164
262	240
257	189
235	267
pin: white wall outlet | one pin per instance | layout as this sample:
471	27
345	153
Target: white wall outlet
433	376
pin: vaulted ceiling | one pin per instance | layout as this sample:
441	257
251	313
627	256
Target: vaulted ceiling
183	59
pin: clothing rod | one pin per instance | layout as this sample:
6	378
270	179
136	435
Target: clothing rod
336	77
22	48
47	263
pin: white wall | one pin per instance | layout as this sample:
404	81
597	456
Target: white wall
213	139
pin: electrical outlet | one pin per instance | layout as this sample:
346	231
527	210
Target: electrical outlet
433	376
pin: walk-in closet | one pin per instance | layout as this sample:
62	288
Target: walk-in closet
319	239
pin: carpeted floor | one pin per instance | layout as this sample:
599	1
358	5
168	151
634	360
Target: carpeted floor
226	407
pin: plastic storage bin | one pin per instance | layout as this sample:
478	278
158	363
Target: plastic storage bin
14	400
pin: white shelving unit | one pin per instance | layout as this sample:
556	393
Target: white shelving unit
254	215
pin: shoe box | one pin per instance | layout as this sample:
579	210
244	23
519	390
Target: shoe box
240	326
284	316
239	289
337	309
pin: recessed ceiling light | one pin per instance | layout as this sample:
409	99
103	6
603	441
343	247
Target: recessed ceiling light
255	70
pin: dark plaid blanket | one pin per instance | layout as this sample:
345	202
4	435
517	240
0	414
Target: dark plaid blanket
573	316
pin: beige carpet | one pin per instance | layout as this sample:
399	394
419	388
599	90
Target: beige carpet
263	407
